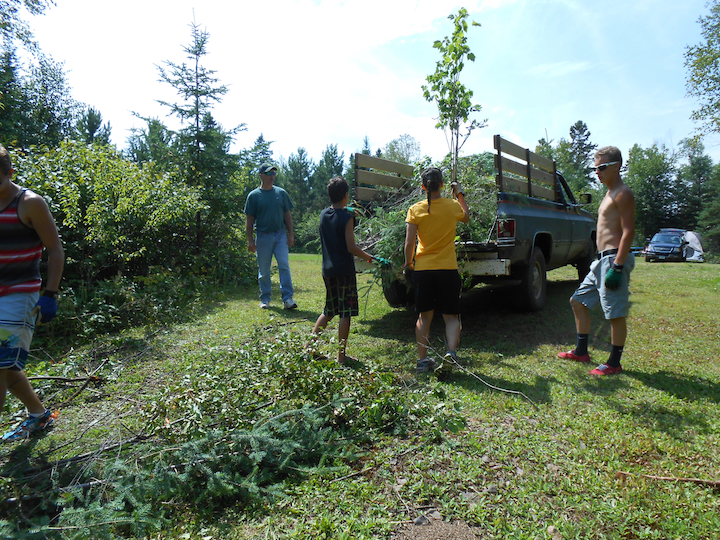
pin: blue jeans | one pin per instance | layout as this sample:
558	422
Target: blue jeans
267	245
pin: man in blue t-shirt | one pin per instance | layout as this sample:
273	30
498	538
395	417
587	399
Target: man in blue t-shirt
267	211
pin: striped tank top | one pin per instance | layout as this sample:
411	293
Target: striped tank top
20	252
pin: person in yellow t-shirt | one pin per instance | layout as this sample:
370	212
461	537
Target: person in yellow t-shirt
431	228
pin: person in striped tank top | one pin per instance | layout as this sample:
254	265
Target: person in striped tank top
26	225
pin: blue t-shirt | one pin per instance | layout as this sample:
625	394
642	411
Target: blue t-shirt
337	260
268	206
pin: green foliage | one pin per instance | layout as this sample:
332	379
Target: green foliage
246	424
650	174
453	100
37	108
692	183
383	232
709	218
90	128
404	149
12	26
573	157
129	237
703	71
306	181
307	236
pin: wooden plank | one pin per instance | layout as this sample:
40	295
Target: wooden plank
542	162
538	175
509	148
520	169
543	193
510	166
521	153
513	184
370	162
369	194
521	186
376	179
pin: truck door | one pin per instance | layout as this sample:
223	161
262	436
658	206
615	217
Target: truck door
577	227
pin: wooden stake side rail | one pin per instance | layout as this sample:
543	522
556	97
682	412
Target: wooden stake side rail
526	177
384	173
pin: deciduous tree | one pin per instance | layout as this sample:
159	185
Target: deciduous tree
651	174
702	62
453	99
12	26
404	149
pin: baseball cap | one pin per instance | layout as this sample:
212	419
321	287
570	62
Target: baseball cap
265	167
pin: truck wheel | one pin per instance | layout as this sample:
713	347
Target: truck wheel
530	294
583	265
398	294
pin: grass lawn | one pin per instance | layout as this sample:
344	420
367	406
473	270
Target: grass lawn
544	451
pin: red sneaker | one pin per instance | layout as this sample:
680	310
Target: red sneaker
604	369
570	355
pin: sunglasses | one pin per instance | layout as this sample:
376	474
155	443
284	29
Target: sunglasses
604	166
269	173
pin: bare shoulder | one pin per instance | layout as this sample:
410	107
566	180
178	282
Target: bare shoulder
32	198
624	194
33	210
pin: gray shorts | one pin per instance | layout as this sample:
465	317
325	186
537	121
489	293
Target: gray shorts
615	304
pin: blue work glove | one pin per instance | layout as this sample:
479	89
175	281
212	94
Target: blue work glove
613	278
48	308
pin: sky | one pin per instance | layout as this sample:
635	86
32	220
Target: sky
312	73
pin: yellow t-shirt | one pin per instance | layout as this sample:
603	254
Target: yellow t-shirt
436	233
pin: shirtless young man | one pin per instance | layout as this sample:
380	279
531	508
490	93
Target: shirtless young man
609	276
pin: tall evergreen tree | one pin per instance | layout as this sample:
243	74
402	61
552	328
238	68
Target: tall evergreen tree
296	178
582	149
692	183
90	128
573	157
199	90
14	112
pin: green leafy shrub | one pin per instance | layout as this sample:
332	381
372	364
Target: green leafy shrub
307	235
134	250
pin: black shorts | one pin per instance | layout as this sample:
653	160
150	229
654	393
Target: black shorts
341	297
437	290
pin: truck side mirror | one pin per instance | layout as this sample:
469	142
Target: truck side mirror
586	198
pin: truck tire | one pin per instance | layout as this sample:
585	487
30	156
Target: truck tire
398	294
530	294
583	265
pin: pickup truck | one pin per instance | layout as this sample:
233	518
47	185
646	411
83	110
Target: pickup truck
539	225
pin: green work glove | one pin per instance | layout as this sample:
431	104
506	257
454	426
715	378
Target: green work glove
381	261
613	278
